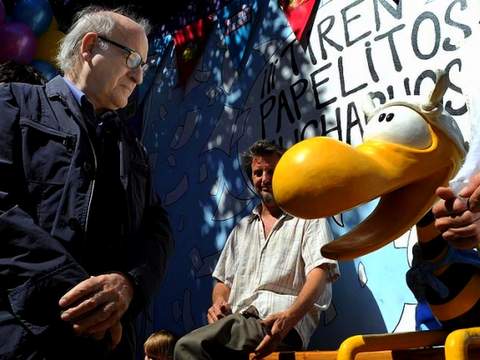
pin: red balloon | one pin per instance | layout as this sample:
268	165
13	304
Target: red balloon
18	43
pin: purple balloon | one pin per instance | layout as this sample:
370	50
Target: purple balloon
2	13
18	43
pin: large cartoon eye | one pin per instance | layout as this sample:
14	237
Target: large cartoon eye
400	125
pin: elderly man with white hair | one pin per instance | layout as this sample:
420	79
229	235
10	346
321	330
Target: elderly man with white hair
83	239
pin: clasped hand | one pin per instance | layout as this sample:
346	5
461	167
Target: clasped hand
218	310
95	306
457	216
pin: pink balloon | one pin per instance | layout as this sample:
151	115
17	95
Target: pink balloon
18	43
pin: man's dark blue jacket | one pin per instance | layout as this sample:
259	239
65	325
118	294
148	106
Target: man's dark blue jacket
48	173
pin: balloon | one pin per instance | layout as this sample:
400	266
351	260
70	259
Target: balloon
48	43
37	14
2	13
18	43
47	70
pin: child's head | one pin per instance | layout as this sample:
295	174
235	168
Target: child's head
160	345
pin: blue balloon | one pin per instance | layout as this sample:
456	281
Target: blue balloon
37	14
47	70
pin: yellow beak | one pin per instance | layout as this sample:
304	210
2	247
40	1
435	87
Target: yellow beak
321	177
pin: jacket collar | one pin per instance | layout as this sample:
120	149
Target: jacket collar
57	89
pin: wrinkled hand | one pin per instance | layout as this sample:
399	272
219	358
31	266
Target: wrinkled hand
456	218
95	306
218	310
115	335
278	325
472	192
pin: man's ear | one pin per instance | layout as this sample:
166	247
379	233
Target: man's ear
87	44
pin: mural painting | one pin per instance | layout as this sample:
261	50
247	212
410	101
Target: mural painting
251	76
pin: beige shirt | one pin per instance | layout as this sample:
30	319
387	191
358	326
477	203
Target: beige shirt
270	272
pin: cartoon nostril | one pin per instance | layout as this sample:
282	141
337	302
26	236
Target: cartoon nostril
390	117
381	117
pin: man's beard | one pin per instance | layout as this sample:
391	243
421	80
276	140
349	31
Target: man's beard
267	198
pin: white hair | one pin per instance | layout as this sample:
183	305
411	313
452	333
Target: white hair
90	19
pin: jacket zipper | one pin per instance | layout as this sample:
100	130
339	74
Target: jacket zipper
91	187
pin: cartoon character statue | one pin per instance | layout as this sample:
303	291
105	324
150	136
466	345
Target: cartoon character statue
410	148
446	278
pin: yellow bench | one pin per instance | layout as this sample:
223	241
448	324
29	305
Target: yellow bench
460	344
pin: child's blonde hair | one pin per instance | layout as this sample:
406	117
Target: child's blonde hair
161	342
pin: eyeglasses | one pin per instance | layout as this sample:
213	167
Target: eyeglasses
133	60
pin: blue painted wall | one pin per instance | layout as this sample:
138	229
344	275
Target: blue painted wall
269	85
